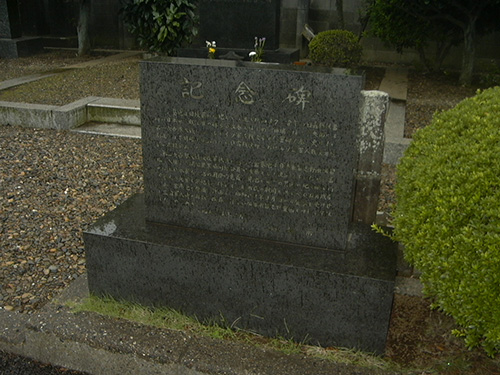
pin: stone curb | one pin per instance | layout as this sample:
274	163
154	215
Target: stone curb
98	344
22	80
126	112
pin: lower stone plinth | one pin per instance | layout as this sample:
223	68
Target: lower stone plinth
323	296
20	47
281	56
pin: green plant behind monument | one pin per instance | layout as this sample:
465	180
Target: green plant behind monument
159	25
335	48
448	214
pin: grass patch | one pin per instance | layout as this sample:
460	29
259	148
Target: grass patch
171	319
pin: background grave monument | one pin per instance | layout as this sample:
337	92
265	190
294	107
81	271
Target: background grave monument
12	43
234	25
250	177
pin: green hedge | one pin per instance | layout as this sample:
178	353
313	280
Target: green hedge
339	48
448	214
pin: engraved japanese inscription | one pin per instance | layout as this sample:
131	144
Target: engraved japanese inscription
263	153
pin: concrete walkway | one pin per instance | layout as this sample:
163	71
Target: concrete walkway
395	83
101	345
34	77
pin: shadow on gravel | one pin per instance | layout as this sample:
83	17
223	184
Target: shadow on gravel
11	364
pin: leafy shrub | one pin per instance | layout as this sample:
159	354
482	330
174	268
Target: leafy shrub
161	25
339	48
448	214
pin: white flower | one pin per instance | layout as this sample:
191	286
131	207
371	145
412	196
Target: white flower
252	54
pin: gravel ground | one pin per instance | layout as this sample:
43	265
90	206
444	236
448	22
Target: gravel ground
11	364
428	93
24	66
53	184
114	79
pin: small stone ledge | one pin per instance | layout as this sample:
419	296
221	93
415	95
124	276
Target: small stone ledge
71	115
116	111
394	149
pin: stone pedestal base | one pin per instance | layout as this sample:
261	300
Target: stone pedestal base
323	296
20	47
281	56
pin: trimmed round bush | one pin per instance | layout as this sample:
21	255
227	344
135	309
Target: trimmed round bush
339	48
448	214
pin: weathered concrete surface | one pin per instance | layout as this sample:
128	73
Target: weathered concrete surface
72	115
395	83
117	111
45	116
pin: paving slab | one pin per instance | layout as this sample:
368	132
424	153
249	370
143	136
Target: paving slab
22	80
112	129
395	83
116	111
394	125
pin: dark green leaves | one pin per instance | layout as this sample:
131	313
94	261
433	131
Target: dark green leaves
161	25
448	214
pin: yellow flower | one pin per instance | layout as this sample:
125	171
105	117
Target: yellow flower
211	50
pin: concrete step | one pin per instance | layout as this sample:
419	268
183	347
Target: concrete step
116	130
117	111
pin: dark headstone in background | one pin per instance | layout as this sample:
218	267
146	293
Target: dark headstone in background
12	43
33	18
236	23
262	152
10	23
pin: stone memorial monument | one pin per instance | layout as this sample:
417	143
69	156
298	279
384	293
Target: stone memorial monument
234	25
252	173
